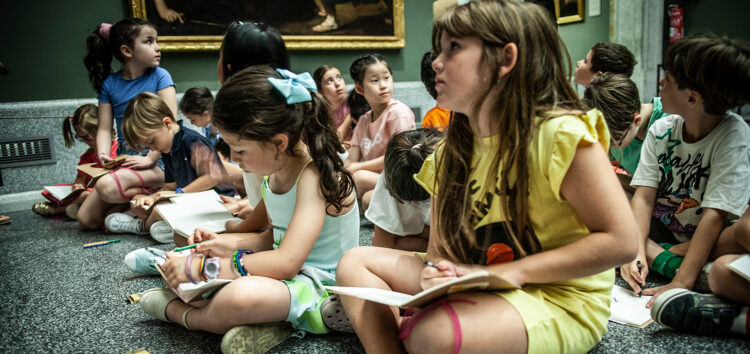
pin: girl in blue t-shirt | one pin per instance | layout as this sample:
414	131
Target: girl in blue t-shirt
285	132
133	42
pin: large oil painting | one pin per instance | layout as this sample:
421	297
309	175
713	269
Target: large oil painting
186	25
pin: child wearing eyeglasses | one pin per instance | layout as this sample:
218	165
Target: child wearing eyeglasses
81	126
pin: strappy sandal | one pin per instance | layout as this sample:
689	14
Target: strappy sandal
43	209
329	24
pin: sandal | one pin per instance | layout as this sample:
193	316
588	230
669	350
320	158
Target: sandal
43	209
257	338
334	316
154	302
329	24
4	219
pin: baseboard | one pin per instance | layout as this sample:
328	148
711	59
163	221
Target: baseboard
19	201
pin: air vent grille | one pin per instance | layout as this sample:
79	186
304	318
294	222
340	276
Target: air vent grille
16	152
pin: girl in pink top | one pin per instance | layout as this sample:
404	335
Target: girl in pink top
373	79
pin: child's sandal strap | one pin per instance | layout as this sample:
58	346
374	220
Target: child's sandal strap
184	317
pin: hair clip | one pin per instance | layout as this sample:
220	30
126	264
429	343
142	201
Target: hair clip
104	30
295	88
417	146
70	117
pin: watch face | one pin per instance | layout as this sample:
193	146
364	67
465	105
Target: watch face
212	267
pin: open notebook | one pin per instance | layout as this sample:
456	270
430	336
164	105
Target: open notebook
627	308
61	194
480	280
190	211
188	291
741	266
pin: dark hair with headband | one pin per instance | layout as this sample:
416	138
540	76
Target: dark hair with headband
104	42
252	43
360	65
266	112
404	155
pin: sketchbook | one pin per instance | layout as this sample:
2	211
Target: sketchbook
96	170
188	291
190	211
741	266
480	280
627	308
61	194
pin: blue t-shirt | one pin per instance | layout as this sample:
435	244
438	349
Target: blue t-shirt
118	92
177	167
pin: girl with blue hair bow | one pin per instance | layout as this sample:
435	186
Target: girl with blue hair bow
276	126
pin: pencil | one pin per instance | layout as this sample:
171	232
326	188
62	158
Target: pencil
100	243
180	249
638	264
430	264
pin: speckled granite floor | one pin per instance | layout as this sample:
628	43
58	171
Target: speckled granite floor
62	298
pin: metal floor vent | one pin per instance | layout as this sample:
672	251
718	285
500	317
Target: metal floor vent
26	151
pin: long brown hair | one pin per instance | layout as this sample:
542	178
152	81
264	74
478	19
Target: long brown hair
248	105
537	86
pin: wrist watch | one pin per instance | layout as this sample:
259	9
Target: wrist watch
211	269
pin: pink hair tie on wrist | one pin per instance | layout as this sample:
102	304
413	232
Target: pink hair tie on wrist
104	30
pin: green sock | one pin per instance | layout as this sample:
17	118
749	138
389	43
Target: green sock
666	245
666	264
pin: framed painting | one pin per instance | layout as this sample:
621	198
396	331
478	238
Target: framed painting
193	25
568	11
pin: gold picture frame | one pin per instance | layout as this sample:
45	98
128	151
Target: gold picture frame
567	11
339	39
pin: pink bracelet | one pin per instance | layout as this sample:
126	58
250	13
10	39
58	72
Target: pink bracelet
188	269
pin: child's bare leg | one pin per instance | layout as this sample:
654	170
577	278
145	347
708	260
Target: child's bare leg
382	238
726	283
365	181
366	200
129	184
490	324
246	300
377	325
92	211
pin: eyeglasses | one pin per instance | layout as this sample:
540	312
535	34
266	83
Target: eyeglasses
84	138
618	142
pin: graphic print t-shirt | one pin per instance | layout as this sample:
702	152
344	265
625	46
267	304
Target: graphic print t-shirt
710	173
554	222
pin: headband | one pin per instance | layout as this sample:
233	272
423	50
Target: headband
295	88
104	30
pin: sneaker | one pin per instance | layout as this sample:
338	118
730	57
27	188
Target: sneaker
257	338
334	316
161	232
143	260
688	311
72	211
120	223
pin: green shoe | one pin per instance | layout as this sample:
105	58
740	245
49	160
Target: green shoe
257	338
688	311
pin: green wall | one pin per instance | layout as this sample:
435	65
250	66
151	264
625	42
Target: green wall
725	17
42	43
579	37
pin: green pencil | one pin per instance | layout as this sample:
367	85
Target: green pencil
180	249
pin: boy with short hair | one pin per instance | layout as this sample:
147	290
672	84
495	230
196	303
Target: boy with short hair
692	179
604	58
436	117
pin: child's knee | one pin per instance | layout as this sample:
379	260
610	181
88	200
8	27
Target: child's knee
107	189
720	275
349	262
88	221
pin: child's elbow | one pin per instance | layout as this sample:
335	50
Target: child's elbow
626	245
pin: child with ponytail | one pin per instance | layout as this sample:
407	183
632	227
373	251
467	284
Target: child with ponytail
521	188
81	126
133	42
282	131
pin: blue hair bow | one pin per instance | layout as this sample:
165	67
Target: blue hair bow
295	88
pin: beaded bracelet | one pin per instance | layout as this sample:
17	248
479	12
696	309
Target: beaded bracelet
239	264
188	268
203	265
